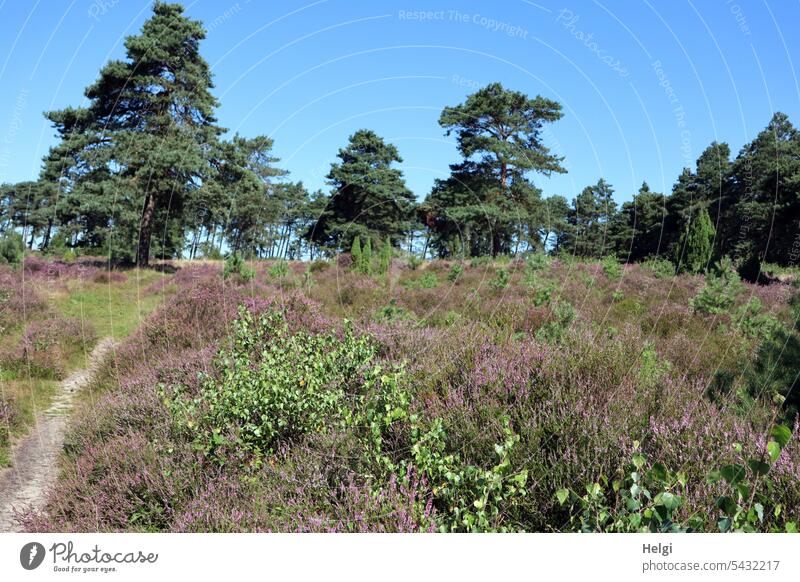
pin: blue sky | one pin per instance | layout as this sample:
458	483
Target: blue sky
645	86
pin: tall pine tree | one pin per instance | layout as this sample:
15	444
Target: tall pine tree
143	142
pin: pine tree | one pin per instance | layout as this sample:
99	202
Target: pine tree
370	196
386	256
366	257
696	245
356	254
142	143
498	132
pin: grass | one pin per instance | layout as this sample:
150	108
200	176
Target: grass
31	396
112	309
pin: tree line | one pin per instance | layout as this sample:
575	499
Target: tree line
144	171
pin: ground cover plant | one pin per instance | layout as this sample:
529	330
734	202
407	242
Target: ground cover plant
51	315
366	403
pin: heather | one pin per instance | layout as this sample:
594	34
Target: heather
52	313
527	395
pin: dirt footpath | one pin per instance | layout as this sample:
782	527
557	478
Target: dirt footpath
35	457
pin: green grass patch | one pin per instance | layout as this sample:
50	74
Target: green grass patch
30	397
114	309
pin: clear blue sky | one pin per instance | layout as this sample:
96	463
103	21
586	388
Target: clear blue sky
645	86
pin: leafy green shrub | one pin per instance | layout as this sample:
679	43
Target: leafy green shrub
662	268
271	386
536	262
649	497
466	498
12	248
428	280
646	499
749	489
366	258
754	323
652	369
617	296
236	265
501	279
481	261
455	272
612	268
720	291
414	262
392	312
543	295
563	316
279	269
472	499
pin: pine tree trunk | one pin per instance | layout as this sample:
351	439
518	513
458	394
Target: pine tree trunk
47	233
146	231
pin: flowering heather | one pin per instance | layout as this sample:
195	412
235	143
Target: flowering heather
46	346
19	301
38	267
568	371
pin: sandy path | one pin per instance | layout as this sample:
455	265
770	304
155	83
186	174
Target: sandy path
35	457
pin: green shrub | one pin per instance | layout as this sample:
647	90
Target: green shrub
392	312
754	323
696	244
271	385
553	331
543	295
366	258
467	498
648	498
357	255
720	290
501	279
662	268
12	248
455	272
279	269
536	262
427	280
481	261
612	268
236	265
414	262
645	499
